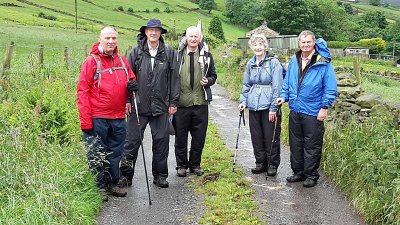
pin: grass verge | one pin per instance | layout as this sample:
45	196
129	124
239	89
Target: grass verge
43	173
228	196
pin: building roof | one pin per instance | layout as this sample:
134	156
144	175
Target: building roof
263	29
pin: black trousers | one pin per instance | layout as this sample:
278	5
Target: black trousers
160	146
261	129
193	119
306	135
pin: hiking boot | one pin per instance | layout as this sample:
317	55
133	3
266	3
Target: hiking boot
295	178
271	171
104	195
124	182
260	168
161	182
309	183
117	191
198	171
181	172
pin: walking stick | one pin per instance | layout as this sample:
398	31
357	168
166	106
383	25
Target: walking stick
241	116
141	144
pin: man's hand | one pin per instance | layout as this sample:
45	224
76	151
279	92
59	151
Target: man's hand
322	114
241	107
272	116
128	109
132	86
280	101
204	81
172	110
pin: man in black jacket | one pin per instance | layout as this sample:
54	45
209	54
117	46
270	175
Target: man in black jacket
154	64
197	74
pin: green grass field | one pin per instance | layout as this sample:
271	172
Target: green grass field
391	13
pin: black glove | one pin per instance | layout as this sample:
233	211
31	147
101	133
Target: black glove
88	131
132	86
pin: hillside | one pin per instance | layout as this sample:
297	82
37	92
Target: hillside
128	16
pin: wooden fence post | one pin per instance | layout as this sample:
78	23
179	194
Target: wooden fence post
7	61
357	68
41	55
66	56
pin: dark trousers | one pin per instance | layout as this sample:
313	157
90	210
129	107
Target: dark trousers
105	148
261	130
160	146
193	119
306	135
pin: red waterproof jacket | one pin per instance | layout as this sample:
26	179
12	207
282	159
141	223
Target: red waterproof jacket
103	96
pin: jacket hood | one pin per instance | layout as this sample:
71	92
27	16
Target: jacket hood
322	48
95	49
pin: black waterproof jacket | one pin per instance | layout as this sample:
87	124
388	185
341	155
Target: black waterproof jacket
159	88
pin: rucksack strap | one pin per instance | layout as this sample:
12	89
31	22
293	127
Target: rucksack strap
98	66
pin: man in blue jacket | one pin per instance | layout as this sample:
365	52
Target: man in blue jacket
310	87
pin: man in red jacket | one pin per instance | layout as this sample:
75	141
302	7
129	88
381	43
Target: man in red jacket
101	95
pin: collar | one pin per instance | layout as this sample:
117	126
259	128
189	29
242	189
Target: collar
102	50
151	48
309	56
188	51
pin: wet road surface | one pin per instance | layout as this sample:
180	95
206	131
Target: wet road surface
281	203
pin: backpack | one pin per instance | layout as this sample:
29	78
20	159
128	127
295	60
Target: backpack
97	75
283	69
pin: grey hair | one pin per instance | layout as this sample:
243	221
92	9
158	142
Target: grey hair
305	33
193	28
107	28
258	38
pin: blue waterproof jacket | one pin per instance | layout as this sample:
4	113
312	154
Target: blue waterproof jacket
262	83
317	89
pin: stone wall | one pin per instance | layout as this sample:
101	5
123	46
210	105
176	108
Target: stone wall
354	102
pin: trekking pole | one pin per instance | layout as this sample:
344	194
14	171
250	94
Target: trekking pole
241	116
141	145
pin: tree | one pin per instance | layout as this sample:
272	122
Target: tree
288	16
328	20
215	28
375	2
375	19
242	12
207	5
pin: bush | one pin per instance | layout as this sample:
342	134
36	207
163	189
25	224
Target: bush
167	10
47	17
157	10
42	158
147	11
130	10
120	8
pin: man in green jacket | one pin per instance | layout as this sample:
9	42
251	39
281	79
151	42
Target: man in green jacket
197	74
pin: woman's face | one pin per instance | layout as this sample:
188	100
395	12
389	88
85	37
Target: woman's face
258	48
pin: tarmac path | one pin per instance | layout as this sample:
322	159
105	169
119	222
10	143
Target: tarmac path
280	203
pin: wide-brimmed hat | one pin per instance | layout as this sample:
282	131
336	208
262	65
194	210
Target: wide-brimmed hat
153	23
